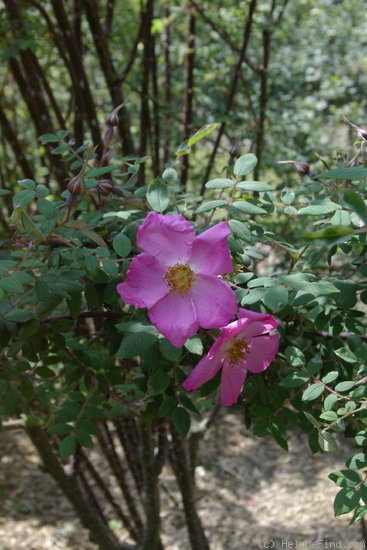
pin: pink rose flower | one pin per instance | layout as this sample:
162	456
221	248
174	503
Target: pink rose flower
242	346
176	277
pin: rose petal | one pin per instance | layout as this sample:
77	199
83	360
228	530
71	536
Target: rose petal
255	323
170	237
175	317
214	301
144	284
210	251
204	371
262	352
233	378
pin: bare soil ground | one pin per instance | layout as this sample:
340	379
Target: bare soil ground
251	493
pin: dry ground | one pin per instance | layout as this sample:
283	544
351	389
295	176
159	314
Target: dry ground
252	495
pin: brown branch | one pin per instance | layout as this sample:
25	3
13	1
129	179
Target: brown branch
31	81
156	134
85	314
133	531
77	72
188	90
151	539
101	534
100	38
180	461
12	139
127	432
108	447
167	85
233	89
273	22
145	116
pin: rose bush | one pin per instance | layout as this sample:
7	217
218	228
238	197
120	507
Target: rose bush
84	364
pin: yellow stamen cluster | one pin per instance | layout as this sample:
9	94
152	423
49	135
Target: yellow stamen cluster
238	351
179	278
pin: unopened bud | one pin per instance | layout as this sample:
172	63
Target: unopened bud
108	135
113	119
104	187
233	153
302	168
362	134
76	186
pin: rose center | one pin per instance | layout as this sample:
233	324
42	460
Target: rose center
179	278
238	351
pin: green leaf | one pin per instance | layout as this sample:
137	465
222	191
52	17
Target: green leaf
84	438
29	329
347	355
96	172
240	230
169	351
253	186
121	245
29	226
158	383
219	183
23	198
330	377
330	416
329	235
47	208
94	237
12	285
312	420
313	392
327	441
27	184
351	173
202	133
168	405
134	344
347	297
170	176
188	404
276	297
356	203
245	165
185	147
295	379
158	196
295	356
60	429
357	461
345	386
18	315
68	412
346	500
45	372
210	205
49	138
345	478
194	345
330	401
248	207
67	446
181	421
319	208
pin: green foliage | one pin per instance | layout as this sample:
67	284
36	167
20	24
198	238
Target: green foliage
73	354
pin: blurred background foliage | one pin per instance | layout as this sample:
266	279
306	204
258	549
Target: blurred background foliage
276	74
